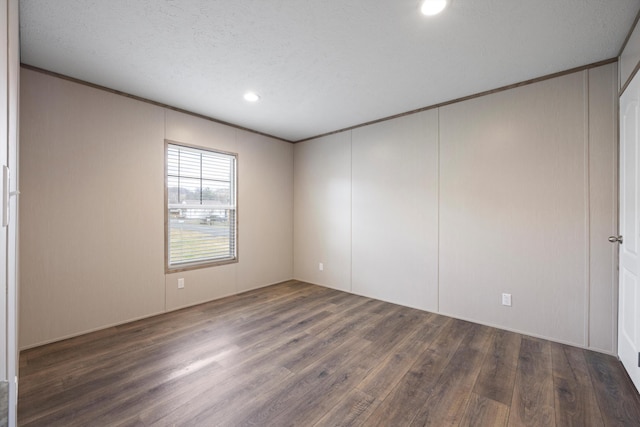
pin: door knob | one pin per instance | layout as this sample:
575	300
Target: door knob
614	239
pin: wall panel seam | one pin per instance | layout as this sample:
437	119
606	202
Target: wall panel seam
587	175
164	208
351	211
438	165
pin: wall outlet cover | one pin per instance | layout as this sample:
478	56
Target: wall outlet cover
506	300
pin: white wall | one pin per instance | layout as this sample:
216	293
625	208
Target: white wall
322	211
512	208
511	192
394	208
603	213
92	194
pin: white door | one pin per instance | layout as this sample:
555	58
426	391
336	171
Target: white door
9	86
629	281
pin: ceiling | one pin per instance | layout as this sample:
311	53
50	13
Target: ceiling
319	66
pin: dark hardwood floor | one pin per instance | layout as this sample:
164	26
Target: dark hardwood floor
298	354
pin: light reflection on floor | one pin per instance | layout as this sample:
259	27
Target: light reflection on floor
198	364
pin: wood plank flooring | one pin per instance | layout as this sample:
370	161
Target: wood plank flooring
303	355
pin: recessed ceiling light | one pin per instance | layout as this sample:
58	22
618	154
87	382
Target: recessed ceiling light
251	97
433	7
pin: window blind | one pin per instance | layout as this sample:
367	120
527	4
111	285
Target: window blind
201	206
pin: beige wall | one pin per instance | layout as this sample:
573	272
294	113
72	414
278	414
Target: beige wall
265	212
92	197
442	210
511	192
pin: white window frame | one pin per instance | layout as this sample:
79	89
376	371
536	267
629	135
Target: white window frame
232	208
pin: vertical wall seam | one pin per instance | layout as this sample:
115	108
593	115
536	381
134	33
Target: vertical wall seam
236	137
351	211
7	136
587	177
293	212
438	214
164	161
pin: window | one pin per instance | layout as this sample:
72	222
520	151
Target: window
201	207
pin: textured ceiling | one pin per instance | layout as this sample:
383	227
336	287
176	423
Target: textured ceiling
319	66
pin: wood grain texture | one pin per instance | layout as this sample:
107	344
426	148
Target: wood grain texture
295	354
484	412
616	406
449	397
575	400
354	407
407	398
498	372
532	403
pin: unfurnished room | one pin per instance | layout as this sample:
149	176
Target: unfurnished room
337	213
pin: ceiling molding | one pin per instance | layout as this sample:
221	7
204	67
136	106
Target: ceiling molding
477	95
626	40
384	119
148	101
631	76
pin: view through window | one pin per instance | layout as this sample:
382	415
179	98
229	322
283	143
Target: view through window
201	206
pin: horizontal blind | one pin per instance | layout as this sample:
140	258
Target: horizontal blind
201	204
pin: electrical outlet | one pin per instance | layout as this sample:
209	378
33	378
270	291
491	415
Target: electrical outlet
506	300
321	266
181	283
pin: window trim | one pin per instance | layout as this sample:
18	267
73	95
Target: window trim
203	264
